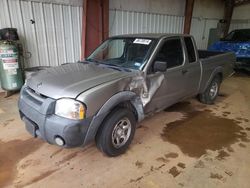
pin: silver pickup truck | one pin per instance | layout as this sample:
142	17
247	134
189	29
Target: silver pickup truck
126	78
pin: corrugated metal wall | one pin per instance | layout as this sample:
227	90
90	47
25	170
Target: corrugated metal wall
124	22
240	24
200	30
55	36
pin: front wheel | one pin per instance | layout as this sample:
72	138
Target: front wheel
116	133
210	94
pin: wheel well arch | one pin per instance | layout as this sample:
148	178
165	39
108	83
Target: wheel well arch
217	72
220	76
126	99
124	104
128	104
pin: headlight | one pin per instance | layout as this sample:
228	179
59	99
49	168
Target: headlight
70	108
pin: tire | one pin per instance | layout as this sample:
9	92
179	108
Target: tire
111	132
212	91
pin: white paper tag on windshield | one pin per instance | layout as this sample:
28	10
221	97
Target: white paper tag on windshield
137	64
142	41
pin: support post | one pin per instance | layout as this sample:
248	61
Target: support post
229	7
188	15
95	25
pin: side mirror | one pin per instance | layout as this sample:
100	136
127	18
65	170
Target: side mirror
160	66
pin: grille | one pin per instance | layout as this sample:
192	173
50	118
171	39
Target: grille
34	96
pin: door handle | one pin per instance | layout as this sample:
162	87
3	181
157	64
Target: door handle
184	71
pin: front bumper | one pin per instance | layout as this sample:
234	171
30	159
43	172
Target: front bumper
37	114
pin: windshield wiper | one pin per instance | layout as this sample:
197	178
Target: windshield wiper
110	65
93	60
116	67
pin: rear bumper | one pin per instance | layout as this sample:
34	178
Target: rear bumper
44	124
243	63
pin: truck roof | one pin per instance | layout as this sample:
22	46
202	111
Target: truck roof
149	35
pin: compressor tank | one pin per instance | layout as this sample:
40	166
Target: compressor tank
10	68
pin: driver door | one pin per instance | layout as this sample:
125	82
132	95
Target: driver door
173	87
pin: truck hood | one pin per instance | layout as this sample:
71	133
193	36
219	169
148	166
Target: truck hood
71	79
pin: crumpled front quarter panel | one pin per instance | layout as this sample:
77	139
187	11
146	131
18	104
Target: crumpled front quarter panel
96	97
136	82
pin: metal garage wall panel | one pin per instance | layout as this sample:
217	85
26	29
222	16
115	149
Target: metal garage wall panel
200	30
125	22
54	38
39	32
59	30
30	36
240	24
67	20
76	23
50	34
4	13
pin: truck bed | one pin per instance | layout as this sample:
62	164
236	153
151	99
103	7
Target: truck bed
224	61
205	53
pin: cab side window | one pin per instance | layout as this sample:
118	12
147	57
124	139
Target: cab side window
171	52
190	49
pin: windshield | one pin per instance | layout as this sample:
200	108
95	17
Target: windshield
128	53
238	35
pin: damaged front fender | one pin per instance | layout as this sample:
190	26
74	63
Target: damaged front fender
147	87
106	109
136	89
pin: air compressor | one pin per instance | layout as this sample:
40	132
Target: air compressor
11	75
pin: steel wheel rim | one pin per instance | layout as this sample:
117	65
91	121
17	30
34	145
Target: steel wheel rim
121	132
213	90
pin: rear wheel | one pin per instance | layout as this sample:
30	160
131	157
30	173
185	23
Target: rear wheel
210	94
116	133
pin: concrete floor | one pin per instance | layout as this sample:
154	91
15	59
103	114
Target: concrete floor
188	145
